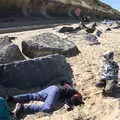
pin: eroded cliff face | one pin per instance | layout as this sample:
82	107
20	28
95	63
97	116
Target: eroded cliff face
49	8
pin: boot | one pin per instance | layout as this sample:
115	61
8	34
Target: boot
101	83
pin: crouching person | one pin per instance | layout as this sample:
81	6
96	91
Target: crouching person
50	95
109	74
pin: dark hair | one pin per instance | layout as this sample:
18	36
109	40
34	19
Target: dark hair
75	100
111	54
108	55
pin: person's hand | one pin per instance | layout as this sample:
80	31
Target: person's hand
68	108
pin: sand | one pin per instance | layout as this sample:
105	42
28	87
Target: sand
85	68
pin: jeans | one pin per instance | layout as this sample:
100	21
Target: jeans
49	95
110	86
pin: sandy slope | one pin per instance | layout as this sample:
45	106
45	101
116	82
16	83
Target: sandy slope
86	72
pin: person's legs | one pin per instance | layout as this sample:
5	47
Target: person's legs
110	87
28	97
38	96
48	105
101	83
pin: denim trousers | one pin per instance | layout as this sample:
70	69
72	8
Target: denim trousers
50	96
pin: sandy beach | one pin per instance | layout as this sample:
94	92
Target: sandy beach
85	68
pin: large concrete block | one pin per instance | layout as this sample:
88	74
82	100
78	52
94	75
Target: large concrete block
36	72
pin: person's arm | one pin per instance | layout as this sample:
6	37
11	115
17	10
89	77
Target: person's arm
67	106
116	68
101	71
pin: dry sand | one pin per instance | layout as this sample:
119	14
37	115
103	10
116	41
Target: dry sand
86	72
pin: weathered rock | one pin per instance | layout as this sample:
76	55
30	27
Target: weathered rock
108	29
92	39
90	29
116	27
66	29
70	29
98	33
48	43
33	73
9	52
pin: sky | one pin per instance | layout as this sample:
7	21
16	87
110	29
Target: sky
114	3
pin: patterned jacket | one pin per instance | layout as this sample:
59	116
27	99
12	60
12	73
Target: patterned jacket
109	70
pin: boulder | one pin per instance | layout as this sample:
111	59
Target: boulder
36	72
9	52
92	39
116	27
98	33
90	29
66	29
70	29
48	43
108	29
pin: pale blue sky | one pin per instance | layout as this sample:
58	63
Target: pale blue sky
114	3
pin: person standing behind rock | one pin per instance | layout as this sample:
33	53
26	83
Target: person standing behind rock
109	74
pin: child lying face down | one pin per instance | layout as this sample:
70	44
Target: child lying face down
50	95
109	73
